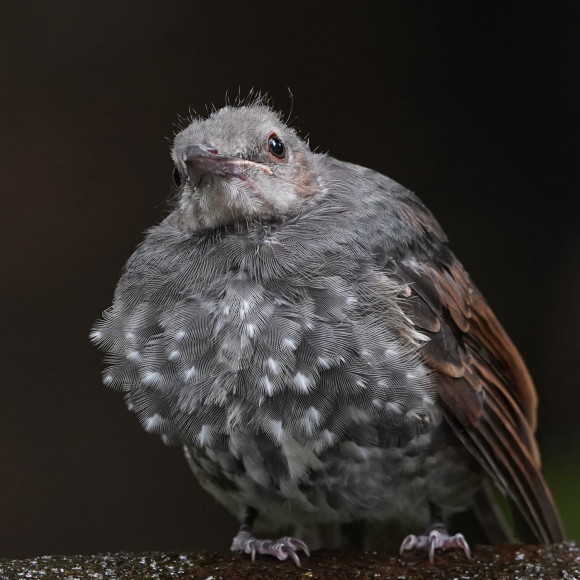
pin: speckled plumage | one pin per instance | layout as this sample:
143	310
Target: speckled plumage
278	325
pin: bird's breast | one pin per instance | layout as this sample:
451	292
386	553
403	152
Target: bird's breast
302	347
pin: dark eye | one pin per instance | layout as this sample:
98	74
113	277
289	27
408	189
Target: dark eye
275	146
177	179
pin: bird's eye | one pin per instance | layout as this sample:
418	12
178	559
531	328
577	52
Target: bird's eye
275	146
177	178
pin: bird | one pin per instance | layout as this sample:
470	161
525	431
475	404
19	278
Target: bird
301	328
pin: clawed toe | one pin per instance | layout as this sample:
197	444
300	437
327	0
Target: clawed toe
434	540
282	548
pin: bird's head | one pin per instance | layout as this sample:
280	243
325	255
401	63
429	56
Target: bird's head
241	164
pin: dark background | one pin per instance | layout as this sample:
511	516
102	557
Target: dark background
475	109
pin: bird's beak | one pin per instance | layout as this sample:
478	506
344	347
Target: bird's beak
201	160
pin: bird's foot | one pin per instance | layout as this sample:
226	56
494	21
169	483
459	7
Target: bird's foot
281	548
434	540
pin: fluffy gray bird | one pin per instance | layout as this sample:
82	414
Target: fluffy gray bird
299	325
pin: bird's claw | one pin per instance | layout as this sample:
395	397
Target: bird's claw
434	540
280	548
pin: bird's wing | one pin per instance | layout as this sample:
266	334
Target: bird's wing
486	392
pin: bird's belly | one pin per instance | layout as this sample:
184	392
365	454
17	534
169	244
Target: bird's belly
349	483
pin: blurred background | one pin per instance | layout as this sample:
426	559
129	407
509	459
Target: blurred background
474	109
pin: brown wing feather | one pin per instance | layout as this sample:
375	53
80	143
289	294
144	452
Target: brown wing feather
486	392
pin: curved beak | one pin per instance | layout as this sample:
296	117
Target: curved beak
201	160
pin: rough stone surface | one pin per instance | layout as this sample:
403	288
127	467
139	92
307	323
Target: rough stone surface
509	562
